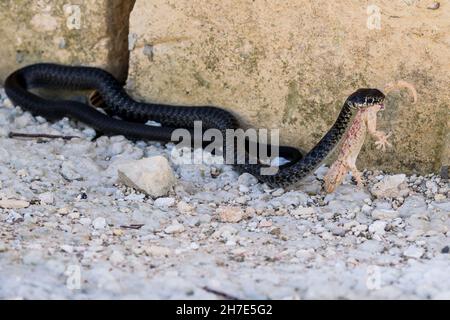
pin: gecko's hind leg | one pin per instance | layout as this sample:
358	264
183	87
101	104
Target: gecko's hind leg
335	176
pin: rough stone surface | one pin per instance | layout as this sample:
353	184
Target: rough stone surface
153	175
92	32
290	65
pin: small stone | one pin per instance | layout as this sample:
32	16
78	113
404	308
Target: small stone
157	251
265	223
414	252
366	208
67	248
69	172
303	212
85	221
275	231
46	198
230	214
241	200
116	257
431	186
8	104
194	246
63	211
351	224
246	179
164	202
99	223
204	218
378	227
22	173
338	231
305	254
184	207
74	215
439	197
118	232
445	249
278	192
13	204
152	175
175	227
391	187
384	214
226	232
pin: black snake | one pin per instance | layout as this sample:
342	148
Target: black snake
133	113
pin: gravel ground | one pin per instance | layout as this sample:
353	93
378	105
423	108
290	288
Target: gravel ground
69	230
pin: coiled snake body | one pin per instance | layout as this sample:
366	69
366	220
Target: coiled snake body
133	113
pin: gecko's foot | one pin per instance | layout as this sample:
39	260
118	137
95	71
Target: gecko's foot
382	142
357	176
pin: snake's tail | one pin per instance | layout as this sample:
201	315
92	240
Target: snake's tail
54	110
401	84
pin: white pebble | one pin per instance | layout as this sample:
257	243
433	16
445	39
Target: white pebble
378	227
153	175
67	248
85	221
383	214
413	252
164	202
303	212
47	198
175	227
99	223
13	204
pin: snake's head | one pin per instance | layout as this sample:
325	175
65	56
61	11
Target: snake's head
365	98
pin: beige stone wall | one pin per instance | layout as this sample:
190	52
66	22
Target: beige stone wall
290	65
276	64
88	32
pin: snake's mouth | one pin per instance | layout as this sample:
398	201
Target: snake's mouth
381	106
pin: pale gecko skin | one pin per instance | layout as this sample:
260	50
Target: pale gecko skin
364	121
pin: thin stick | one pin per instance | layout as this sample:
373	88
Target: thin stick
220	294
133	226
40	135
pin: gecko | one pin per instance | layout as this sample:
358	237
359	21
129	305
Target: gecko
365	121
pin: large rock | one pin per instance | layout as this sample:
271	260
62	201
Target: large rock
290	65
91	32
153	175
391	187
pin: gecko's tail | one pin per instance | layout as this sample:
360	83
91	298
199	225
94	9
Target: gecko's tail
402	85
